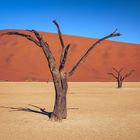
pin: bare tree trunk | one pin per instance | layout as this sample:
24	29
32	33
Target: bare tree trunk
60	108
60	105
120	83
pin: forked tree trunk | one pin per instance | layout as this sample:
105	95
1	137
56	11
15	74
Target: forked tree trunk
59	74
61	86
120	84
60	105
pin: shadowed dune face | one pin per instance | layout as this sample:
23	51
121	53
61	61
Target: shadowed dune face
21	60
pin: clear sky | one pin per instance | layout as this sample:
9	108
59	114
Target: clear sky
90	18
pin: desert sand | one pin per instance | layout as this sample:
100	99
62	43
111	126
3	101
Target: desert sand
96	111
21	60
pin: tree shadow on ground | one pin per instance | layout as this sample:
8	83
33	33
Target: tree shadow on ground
27	109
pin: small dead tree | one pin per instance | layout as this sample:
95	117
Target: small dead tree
119	76
59	74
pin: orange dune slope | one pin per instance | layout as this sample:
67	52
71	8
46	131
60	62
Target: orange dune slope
21	60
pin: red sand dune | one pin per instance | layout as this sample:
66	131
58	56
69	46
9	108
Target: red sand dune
21	60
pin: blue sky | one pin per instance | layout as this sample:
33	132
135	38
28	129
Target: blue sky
90	18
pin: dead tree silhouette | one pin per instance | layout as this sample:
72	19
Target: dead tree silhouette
59	74
119	76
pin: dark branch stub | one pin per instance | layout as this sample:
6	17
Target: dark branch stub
63	57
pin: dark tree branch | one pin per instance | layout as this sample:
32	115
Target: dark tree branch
110	73
29	37
63	57
40	43
64	52
44	44
119	77
127	74
59	33
117	71
115	31
45	47
90	49
38	36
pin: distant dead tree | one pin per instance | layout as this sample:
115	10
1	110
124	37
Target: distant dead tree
59	74
117	74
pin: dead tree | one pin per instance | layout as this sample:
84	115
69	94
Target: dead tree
119	76
59	74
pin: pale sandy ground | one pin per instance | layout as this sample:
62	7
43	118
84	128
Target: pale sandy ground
97	111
